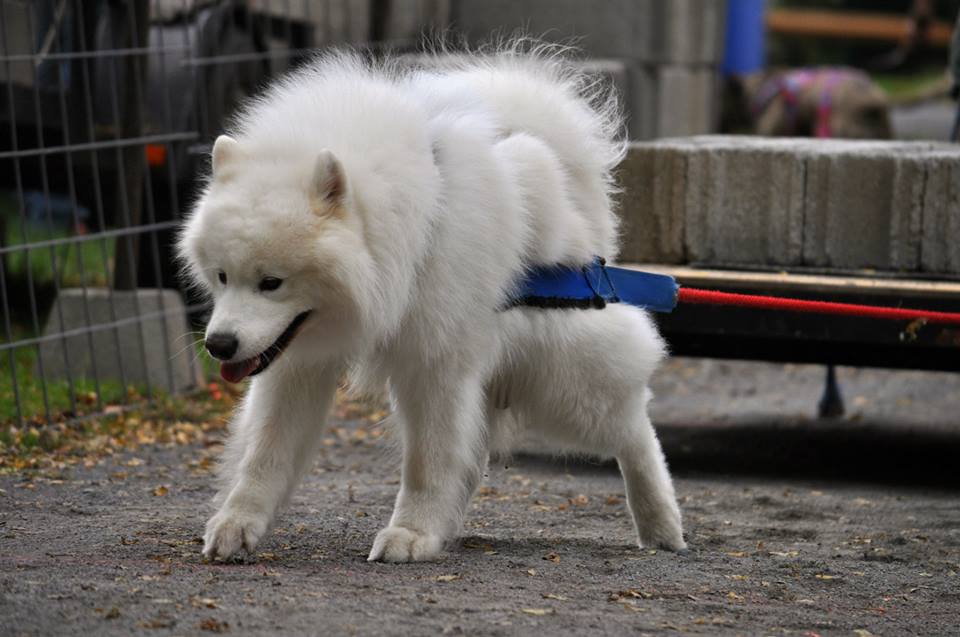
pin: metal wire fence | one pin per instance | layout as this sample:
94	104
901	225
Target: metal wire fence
107	110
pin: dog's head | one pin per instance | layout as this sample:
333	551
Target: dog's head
278	247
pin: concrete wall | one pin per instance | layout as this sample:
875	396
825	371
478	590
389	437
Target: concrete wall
669	51
793	202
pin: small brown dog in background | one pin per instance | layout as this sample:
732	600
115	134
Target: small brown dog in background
811	102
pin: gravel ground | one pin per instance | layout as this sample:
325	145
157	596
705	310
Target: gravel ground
796	526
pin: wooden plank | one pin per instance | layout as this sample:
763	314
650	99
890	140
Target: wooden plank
804	283
852	25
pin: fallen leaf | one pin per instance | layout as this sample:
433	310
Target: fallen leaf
631	605
552	557
559	598
629	593
531	572
214	625
737	553
447	578
204	602
537	612
161	491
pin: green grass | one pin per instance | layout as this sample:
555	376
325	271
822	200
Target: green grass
86	263
900	86
59	392
77	264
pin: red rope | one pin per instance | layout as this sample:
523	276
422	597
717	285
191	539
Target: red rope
712	297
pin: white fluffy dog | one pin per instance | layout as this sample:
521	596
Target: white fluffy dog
366	219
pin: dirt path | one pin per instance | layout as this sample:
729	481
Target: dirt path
114	548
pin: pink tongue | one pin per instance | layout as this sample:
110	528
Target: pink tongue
235	372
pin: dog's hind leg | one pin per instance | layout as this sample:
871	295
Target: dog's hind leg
586	390
650	494
443	458
274	442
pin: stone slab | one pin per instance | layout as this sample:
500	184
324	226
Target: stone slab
940	232
155	349
794	202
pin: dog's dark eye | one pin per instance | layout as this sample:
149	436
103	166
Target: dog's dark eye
269	283
222	276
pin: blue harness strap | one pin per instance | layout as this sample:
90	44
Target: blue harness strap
595	285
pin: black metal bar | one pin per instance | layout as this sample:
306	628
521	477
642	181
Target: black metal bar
74	205
93	236
87	55
125	198
98	198
45	181
138	31
102	145
31	292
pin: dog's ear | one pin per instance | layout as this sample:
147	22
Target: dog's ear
329	181
225	151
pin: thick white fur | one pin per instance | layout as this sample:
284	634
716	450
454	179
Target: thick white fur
439	189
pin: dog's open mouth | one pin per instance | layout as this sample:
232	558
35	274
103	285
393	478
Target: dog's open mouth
235	372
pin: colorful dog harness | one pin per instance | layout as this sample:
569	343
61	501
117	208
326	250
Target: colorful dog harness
789	86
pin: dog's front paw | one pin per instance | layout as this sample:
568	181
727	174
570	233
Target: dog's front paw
399	544
229	531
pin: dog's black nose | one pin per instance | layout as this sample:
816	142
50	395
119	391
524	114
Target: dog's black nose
222	346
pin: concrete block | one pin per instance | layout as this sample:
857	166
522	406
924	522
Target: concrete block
674	39
651	31
411	20
940	240
794	202
640	101
671	101
863	204
165	360
848	211
602	28
744	207
906	212
688	32
712	29
676	97
652	205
